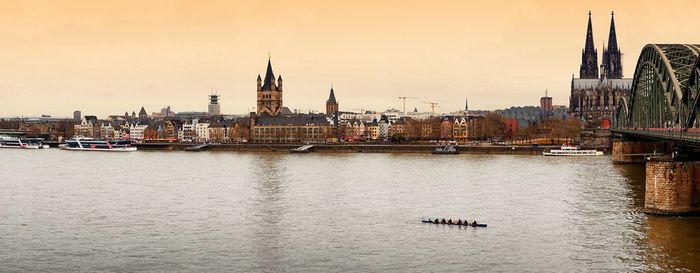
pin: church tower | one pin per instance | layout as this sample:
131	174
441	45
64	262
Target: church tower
589	56
331	104
269	93
611	67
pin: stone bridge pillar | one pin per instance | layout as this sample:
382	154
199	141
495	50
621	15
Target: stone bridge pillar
629	152
672	187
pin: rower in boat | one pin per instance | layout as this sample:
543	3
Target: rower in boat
474	223
449	222
437	221
459	221
443	221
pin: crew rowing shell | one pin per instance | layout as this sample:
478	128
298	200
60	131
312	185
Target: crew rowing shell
454	224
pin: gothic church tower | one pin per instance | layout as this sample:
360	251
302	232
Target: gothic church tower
269	93
331	104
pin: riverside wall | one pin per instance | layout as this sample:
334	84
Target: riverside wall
596	137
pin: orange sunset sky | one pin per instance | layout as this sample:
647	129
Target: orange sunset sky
107	57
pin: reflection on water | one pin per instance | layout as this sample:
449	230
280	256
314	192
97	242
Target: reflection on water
270	212
669	243
672	243
634	175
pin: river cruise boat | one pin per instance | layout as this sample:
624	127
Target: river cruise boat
22	143
572	151
90	144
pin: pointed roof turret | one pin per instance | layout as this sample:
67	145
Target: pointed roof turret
331	98
279	78
612	39
269	80
269	75
259	78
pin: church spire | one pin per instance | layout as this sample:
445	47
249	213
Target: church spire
589	56
612	57
269	82
331	104
612	39
590	46
331	97
269	75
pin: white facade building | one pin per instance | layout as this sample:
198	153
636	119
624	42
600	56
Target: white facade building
202	132
106	131
137	131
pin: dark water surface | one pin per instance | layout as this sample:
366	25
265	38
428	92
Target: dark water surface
66	211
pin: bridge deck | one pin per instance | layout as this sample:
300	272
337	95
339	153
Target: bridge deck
682	137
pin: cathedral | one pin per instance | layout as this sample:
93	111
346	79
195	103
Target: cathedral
596	92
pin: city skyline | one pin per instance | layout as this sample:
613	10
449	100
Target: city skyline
110	57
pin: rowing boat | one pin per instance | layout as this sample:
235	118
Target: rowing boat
454	224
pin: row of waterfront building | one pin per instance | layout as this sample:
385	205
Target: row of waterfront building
294	128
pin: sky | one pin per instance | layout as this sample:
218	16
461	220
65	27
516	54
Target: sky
108	57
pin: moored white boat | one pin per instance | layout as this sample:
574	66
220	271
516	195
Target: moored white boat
89	144
572	151
22	143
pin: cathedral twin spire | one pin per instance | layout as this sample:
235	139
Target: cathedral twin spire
611	66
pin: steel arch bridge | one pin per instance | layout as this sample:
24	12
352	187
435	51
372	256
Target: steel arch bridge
664	96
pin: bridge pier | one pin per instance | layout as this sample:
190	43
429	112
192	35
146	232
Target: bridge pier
631	152
672	187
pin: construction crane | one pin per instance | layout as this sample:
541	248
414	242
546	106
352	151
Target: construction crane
404	102
432	105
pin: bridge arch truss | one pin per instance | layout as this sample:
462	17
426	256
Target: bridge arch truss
665	89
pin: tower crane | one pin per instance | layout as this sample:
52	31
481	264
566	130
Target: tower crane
404	102
432	105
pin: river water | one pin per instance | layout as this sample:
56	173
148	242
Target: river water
63	211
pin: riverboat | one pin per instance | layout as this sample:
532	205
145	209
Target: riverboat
90	144
22	143
572	151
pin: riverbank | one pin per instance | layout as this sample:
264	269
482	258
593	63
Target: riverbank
353	148
357	148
